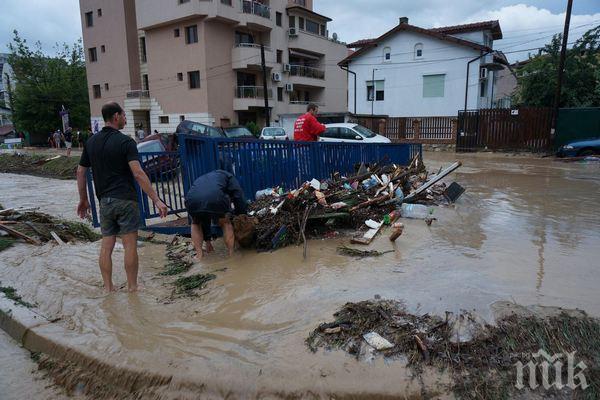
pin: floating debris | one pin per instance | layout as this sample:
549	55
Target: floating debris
349	251
178	257
187	284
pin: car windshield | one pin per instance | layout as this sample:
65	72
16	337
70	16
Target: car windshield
274	132
237	132
206	130
154	146
364	131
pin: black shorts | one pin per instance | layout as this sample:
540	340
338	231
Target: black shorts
205	220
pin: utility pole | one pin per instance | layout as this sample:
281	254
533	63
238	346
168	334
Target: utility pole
561	66
373	93
265	89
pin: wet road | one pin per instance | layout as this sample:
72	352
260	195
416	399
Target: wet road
526	231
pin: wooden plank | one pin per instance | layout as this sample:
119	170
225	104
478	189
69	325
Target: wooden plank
433	181
19	235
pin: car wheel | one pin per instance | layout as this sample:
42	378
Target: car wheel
585	153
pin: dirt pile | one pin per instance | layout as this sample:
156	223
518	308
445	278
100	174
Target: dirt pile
482	363
58	167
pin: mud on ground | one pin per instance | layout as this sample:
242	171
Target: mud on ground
58	167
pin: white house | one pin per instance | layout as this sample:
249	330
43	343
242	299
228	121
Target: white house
423	72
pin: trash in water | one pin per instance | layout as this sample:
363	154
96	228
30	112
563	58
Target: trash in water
415	211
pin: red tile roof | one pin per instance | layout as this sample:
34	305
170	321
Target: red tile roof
360	43
493	26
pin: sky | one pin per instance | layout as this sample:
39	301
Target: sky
526	24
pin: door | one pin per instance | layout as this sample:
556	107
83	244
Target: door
330	135
349	135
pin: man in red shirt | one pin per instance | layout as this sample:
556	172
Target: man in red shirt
307	128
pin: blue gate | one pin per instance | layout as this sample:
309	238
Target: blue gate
256	164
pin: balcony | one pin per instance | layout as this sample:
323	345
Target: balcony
306	76
138	94
299	107
138	100
247	56
247	97
257	15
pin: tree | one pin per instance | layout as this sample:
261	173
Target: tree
581	83
43	85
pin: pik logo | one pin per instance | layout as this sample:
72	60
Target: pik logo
555	363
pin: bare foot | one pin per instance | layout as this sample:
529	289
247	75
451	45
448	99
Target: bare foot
135	289
209	247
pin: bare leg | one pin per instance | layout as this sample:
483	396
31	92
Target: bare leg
105	261
131	260
197	239
228	235
209	247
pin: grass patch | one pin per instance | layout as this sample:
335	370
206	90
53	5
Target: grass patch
6	242
11	294
483	367
176	267
349	251
187	284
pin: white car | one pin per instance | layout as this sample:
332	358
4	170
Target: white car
273	133
351	133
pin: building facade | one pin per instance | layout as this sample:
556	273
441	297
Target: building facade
200	60
416	72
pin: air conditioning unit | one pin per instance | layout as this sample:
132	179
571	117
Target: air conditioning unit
292	32
483	73
289	87
276	77
287	68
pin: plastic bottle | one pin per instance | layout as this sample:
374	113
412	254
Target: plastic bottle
264	193
416	211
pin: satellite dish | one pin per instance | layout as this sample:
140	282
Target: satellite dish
335	36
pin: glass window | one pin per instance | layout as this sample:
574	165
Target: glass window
292	21
163	119
418	50
387	54
348	134
93	54
176	32
323	30
301	23
278	18
333	133
279	94
191	34
89	19
433	85
483	88
194	79
379	90
143	49
97	92
274	131
364	131
312	27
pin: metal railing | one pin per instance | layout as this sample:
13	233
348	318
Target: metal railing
308	72
256	8
138	94
251	46
252	92
305	103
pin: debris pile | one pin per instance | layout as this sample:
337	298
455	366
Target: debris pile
36	228
363	202
482	364
178	257
58	167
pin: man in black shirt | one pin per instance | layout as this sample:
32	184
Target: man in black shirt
209	199
115	165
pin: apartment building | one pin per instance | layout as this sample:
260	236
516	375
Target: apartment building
200	60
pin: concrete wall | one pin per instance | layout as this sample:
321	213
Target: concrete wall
220	81
403	77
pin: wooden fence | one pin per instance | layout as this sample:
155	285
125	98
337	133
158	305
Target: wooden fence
504	129
428	130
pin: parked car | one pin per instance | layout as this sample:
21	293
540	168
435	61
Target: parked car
273	133
238	132
196	128
580	148
351	133
156	165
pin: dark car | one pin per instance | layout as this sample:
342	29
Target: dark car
195	128
158	166
238	132
580	148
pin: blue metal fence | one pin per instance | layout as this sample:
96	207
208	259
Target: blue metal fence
262	164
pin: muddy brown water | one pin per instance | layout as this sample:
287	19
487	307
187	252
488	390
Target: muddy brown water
526	231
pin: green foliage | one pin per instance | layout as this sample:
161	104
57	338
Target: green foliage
45	84
253	128
581	80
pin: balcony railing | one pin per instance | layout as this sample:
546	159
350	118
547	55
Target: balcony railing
305	103
138	94
256	8
308	72
252	92
299	2
252	46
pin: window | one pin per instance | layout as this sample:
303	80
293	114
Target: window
181	118
279	57
418	50
89	19
278	18
97	92
99	12
106	87
292	21
176	32
243	37
348	134
194	79
433	85
163	119
145	82
379	90
180	76
312	27
93	54
183	1
227	2
301	23
103	49
333	133
387	54
191	34
323	30
279	94
483	88
143	49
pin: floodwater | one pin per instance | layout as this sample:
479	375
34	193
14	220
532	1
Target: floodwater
526	231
